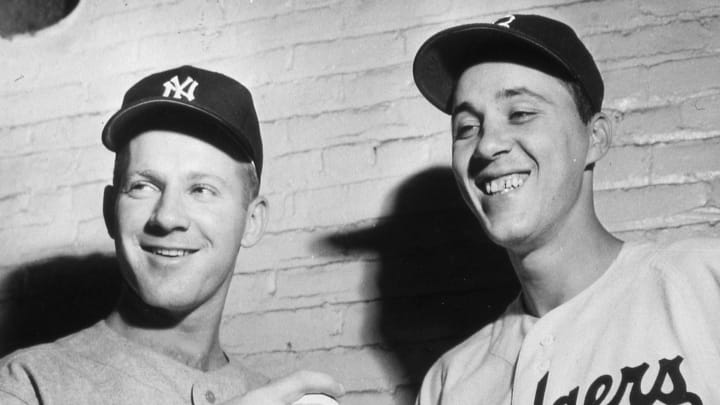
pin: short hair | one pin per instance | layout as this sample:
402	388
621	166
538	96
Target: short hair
582	102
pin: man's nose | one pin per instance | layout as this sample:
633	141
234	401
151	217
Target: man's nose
170	213
495	140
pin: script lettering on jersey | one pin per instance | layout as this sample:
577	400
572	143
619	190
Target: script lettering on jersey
599	391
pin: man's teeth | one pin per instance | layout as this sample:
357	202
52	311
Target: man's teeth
504	184
171	252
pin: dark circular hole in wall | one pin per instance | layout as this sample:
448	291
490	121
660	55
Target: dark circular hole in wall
29	16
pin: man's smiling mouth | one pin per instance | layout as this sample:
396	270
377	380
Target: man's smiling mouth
168	252
502	184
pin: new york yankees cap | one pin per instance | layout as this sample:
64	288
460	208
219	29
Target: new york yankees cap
189	93
531	40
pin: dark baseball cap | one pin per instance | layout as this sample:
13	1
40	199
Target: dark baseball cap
531	40
189	93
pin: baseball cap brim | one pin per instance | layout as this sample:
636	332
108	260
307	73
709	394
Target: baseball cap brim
446	55
161	112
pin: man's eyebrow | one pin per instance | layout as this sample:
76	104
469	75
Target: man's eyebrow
464	107
150	174
136	175
195	176
501	94
521	91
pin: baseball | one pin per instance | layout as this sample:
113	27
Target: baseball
316	399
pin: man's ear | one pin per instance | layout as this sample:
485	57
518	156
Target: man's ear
255	221
601	133
109	210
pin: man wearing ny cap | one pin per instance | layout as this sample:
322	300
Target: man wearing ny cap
183	202
598	320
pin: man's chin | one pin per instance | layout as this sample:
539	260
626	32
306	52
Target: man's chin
167	301
507	234
173	306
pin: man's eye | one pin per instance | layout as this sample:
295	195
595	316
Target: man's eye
140	189
519	117
203	191
467	131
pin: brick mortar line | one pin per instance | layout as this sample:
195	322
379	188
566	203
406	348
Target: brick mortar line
664	62
663	22
616	64
331	262
358	109
666	138
654	225
60	85
90	114
364	142
678	100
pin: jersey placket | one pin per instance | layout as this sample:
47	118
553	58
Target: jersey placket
534	362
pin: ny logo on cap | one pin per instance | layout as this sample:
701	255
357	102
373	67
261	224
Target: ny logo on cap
505	21
186	89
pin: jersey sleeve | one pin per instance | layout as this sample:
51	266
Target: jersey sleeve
432	386
16	384
694	266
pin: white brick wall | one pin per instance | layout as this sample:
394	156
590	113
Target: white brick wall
347	137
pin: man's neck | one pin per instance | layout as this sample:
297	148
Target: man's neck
191	339
558	270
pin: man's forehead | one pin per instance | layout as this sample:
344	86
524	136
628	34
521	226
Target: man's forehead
504	80
178	154
190	124
163	149
505	70
158	140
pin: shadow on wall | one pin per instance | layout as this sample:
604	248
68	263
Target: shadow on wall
57	297
440	278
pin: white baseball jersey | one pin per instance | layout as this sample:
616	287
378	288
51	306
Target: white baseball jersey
646	332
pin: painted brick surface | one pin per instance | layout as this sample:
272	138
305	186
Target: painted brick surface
371	261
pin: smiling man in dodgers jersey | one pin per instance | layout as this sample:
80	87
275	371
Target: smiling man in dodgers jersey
599	320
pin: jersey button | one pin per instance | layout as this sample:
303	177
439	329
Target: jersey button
210	396
543	366
547	340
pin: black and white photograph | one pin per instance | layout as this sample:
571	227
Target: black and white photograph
360	202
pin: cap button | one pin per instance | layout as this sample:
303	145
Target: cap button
210	396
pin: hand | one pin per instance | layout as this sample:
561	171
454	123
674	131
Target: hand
286	390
